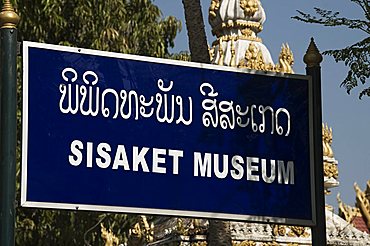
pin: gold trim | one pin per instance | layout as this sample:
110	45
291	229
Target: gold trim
8	18
245	36
256	27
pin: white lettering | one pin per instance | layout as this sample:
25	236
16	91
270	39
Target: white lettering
266	178
286	173
103	149
204	166
139	159
251	168
121	158
76	146
176	154
89	153
158	160
238	171
223	174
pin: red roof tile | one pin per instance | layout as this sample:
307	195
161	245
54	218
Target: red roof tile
360	224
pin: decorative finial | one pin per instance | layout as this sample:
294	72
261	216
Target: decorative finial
8	18
312	57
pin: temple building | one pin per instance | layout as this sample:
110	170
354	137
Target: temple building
236	24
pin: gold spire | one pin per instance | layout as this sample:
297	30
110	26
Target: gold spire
8	18
312	57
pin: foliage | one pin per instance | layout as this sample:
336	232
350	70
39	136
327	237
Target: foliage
182	56
355	56
129	26
126	26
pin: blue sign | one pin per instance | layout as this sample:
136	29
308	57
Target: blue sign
123	133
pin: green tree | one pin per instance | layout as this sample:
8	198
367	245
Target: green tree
355	56
127	26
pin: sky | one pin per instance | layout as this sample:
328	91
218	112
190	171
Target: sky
346	114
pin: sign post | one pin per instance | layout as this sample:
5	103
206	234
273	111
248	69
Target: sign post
313	58
8	124
121	133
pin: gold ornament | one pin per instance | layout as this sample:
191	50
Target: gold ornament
297	231
279	230
108	236
286	60
250	7
215	5
8	18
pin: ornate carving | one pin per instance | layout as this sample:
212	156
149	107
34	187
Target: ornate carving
331	170
142	232
215	5
286	60
250	57
180	227
298	231
228	38
196	228
327	138
245	243
250	7
255	27
346	212
108	236
279	230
